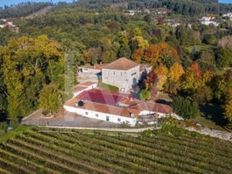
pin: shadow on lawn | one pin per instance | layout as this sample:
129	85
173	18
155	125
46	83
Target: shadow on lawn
214	112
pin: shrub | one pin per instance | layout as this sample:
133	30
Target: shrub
144	95
185	107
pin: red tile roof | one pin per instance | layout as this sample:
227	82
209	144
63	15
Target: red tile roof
106	102
101	96
121	64
152	106
99	107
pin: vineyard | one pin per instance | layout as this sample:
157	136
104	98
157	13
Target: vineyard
72	151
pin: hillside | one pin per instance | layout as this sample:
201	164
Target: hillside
69	151
22	9
185	7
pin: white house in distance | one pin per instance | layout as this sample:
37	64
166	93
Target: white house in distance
122	73
205	20
227	16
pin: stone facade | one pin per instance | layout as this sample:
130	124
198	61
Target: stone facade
123	79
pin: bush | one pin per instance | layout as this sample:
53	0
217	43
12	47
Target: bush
185	107
144	95
3	128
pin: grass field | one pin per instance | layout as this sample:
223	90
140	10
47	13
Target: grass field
71	151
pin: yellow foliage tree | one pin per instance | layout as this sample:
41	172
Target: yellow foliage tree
176	71
162	72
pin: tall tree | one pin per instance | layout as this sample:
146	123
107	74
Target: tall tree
50	98
28	64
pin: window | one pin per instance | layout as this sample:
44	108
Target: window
107	118
119	119
86	113
96	115
133	74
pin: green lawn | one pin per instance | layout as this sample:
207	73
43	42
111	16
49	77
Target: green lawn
108	87
71	151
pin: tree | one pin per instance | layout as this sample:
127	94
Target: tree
175	72
92	55
206	60
185	107
162	74
138	42
154	54
203	95
50	98
145	94
28	64
224	58
228	106
225	42
137	56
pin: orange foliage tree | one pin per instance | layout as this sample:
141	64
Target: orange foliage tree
138	55
154	52
196	69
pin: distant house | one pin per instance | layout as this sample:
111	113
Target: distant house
172	23
122	73
205	20
9	25
227	16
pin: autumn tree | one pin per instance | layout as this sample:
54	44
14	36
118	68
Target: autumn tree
174	75
160	53
50	98
92	55
137	56
176	71
162	74
228	106
28	64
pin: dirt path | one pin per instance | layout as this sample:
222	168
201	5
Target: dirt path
128	130
212	132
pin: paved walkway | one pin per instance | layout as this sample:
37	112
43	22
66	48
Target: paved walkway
66	119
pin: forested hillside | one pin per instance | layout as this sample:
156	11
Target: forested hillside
185	7
22	9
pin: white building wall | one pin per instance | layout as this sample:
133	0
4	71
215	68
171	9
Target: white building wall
101	116
123	79
146	112
86	89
